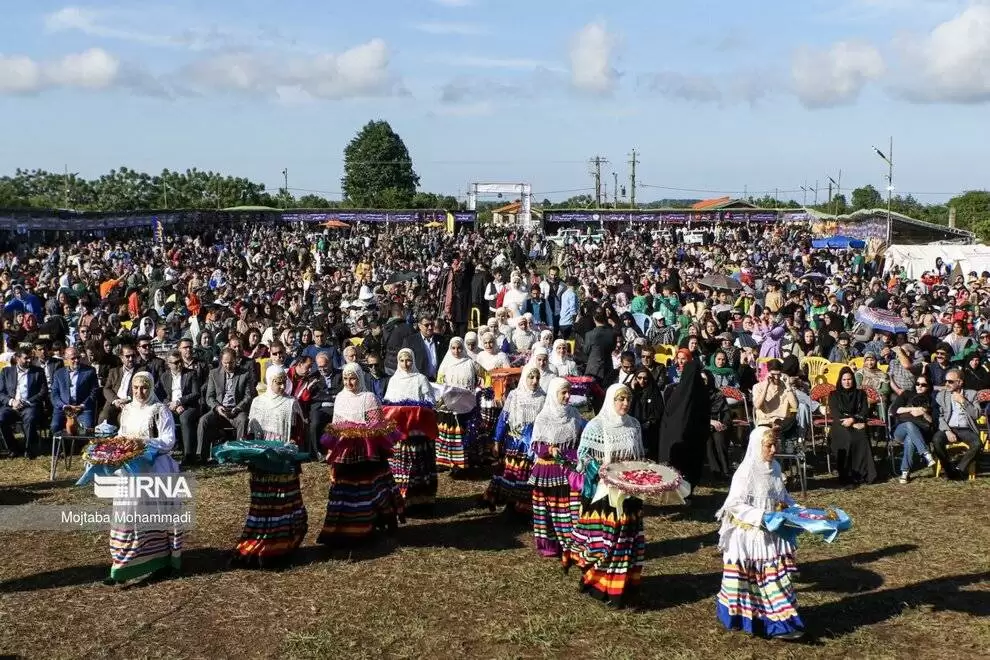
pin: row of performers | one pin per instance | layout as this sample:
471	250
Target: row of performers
382	459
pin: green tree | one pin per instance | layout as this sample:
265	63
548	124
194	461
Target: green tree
315	202
378	171
972	209
866	197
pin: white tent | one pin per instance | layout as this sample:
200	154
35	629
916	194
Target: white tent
916	259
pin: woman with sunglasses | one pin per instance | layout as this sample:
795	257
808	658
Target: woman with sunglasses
914	425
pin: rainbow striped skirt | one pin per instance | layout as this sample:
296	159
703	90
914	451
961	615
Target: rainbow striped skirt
276	521
363	498
609	546
758	597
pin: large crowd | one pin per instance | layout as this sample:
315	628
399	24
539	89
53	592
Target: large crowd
476	346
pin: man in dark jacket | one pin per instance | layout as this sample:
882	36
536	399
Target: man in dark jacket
23	391
598	346
321	398
178	388
394	336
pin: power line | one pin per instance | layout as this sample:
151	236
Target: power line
597	163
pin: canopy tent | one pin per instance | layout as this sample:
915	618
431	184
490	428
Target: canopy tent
838	243
916	259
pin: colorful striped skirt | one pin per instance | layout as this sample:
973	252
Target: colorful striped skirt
609	547
510	484
137	552
456	439
276	521
758	597
556	507
363	498
414	467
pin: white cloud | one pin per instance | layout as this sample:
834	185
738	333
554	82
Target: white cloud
19	75
94	24
952	63
591	54
697	88
824	78
444	27
362	71
93	69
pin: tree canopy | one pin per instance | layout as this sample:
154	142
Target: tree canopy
378	170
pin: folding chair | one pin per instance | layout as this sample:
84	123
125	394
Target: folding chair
819	394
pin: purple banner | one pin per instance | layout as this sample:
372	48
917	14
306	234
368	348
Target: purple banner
662	217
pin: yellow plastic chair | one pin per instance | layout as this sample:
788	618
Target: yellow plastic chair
816	368
954	449
663	355
856	363
475	321
356	341
262	368
884	368
832	372
571	344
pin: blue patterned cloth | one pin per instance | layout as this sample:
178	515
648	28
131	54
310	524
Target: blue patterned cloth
789	523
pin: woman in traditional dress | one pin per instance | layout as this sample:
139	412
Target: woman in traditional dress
363	495
136	549
686	425
757	595
540	358
556	433
457	411
850	444
409	402
489	359
510	483
608	543
560	360
276	520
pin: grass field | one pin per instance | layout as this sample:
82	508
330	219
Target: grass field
911	579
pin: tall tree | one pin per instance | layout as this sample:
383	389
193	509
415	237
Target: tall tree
866	197
378	171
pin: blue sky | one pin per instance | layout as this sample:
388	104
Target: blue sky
717	96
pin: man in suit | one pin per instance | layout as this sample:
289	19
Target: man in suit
425	348
598	346
957	415
117	388
178	388
23	390
321	398
229	392
74	390
147	360
395	333
198	367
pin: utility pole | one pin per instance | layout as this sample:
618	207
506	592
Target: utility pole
165	192
632	179
285	176
65	189
615	190
597	163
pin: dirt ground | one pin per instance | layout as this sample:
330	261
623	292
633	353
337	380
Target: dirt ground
911	579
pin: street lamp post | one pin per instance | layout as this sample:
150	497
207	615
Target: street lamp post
889	159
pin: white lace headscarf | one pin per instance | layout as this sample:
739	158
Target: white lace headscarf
561	365
756	482
408	384
471	340
359	407
557	424
610	437
458	372
546	372
491	358
271	415
523	404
